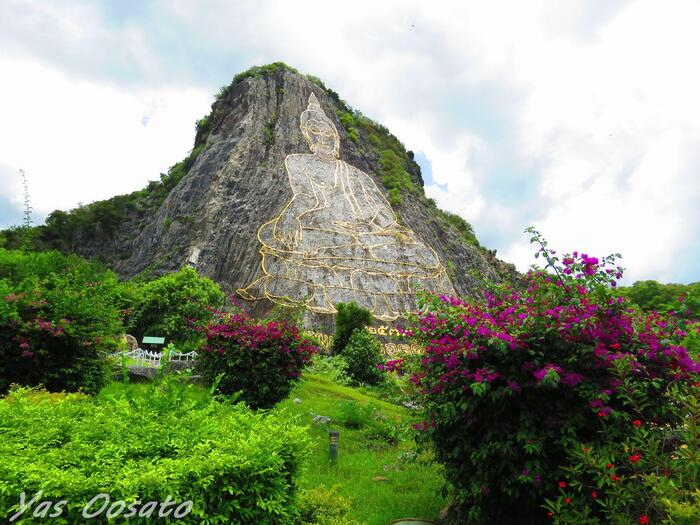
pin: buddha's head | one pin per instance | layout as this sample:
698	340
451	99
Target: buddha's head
319	131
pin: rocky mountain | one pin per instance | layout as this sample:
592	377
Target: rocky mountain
288	195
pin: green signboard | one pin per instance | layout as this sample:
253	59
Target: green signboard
150	340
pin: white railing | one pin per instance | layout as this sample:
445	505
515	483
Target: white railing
143	357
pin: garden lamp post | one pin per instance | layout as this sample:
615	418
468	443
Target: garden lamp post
333	439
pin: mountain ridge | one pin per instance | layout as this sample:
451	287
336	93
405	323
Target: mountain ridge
207	199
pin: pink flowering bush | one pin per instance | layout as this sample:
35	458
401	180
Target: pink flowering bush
512	383
260	361
58	321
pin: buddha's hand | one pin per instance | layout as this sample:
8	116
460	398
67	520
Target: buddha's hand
357	226
384	221
350	226
288	231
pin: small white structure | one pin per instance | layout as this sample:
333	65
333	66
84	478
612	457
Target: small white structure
143	357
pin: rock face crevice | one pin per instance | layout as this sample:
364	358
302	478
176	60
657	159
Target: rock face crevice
238	182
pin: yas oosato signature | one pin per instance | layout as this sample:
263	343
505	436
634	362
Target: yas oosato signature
102	504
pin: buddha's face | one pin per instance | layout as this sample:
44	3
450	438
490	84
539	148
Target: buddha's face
322	137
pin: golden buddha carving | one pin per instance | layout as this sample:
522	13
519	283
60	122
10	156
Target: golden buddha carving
338	240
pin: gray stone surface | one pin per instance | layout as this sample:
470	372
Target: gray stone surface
239	182
338	239
131	342
321	420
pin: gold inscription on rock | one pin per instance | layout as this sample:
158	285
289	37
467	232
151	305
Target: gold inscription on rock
388	349
338	240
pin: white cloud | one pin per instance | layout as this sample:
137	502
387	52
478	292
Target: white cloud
615	125
642	215
594	106
81	141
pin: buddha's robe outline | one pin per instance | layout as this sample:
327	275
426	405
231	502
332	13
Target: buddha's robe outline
338	240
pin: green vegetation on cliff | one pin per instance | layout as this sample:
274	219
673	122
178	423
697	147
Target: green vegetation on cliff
107	224
397	169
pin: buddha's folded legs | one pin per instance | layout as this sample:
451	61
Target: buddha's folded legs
387	290
285	291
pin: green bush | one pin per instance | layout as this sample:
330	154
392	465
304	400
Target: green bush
692	340
58	321
348	317
334	368
383	430
354	415
650	475
233	465
260	362
363	354
375	426
681	299
394	176
173	306
322	506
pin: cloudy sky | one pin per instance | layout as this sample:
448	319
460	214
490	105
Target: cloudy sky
581	118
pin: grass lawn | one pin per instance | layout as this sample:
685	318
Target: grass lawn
385	481
407	489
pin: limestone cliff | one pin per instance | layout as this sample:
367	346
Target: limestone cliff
207	211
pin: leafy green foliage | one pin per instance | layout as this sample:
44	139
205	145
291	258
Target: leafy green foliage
348	121
363	354
174	306
259	362
394	176
234	465
651	475
323	506
375	426
333	368
355	415
452	219
692	340
348	317
394	160
58	320
681	299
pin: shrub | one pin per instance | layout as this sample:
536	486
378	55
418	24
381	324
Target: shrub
651	475
322	506
334	368
173	306
375	426
382	430
396	388
233	465
363	354
261	361
348	317
692	340
354	415
58	321
681	299
512	382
